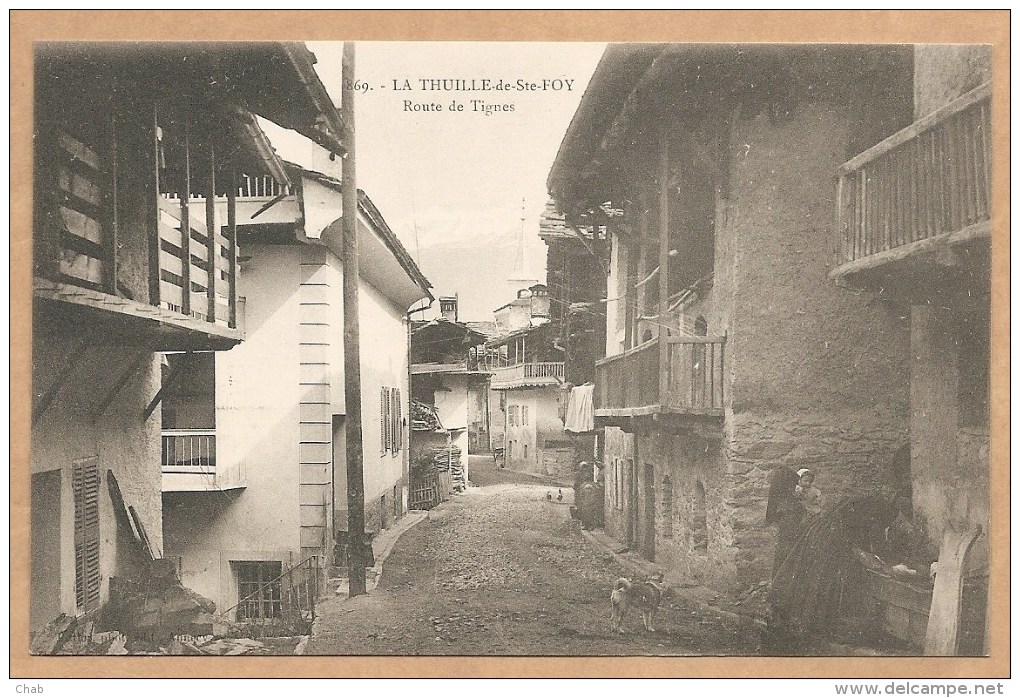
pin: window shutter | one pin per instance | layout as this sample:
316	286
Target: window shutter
398	424
87	578
382	419
388	392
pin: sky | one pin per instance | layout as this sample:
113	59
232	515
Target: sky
455	184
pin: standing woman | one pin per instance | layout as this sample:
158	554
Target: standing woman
786	511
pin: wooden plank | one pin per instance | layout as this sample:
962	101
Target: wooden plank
81	266
944	617
232	244
79	150
155	200
112	224
77	223
70	200
986	155
186	216
662	383
176	371
70	243
170	262
82	187
199	252
172	294
967	171
71	361
953	163
974	146
981	229
142	357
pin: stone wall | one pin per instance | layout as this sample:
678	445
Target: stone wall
122	442
619	446
944	72
850	452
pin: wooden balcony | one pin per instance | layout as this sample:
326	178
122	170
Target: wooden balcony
922	190
209	275
633	384
528	375
111	254
189	463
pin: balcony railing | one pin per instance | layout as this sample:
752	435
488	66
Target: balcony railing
89	247
929	181
530	374
210	263
189	451
629	384
189	463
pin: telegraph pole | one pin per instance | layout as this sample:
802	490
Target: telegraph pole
352	337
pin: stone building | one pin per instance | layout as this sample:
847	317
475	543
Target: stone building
254	456
914	229
446	377
527	374
133	144
729	351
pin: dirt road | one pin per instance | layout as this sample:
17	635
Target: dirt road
498	571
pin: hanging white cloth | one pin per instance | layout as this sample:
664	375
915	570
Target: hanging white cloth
580	409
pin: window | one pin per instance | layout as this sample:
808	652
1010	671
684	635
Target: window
524	415
391	422
87	577
512	415
259	590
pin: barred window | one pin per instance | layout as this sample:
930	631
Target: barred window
259	590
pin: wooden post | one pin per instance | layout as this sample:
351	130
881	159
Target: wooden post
185	195
110	232
211	232
664	373
352	337
154	265
232	237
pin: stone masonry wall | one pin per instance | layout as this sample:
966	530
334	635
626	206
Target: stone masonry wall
850	452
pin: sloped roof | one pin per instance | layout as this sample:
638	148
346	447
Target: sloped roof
274	79
484	327
368	208
441	328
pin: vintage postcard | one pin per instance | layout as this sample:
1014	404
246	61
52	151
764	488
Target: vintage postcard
479	352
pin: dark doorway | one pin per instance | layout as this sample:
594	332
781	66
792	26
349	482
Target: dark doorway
632	504
648	544
45	587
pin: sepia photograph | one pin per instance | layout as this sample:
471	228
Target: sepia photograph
511	349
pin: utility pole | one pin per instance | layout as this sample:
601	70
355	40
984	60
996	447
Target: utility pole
352	337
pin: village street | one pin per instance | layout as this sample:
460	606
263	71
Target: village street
498	571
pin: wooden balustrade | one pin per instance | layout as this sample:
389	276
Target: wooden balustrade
930	179
200	249
537	373
629	383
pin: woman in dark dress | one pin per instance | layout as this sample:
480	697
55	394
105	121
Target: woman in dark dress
784	511
810	583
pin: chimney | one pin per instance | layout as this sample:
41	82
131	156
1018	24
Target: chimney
448	307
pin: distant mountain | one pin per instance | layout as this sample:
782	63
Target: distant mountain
478	271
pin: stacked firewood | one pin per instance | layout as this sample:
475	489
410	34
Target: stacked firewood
447	458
